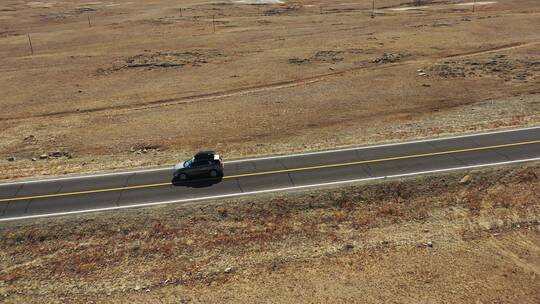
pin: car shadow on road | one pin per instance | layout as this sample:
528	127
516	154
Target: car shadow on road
197	183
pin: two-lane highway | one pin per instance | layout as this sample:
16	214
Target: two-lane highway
70	195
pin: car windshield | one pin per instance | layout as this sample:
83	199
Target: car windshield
188	163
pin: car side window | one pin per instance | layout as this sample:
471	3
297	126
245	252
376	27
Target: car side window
200	163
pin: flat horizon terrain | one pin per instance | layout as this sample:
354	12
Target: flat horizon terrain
149	83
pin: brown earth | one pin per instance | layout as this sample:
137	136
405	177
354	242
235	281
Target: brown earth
433	239
149	83
274	78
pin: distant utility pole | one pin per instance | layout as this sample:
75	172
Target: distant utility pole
89	24
373	9
30	42
473	5
214	22
180	12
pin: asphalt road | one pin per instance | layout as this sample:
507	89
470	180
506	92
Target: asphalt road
64	196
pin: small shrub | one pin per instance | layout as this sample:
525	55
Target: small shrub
389	209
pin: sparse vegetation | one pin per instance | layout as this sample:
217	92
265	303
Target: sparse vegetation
500	65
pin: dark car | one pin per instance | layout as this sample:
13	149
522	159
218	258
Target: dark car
203	164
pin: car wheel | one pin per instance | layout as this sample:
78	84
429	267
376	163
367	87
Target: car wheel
213	173
182	176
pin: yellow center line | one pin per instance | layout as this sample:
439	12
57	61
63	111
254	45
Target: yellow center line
83	192
386	159
278	171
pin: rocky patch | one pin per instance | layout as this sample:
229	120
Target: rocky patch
502	66
389	58
283	10
162	60
296	60
56	155
145	148
320	56
328	56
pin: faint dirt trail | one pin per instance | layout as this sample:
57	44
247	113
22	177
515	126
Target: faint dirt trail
512	256
506	47
267	87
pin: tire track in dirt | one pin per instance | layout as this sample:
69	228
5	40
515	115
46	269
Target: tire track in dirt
505	47
264	87
513	256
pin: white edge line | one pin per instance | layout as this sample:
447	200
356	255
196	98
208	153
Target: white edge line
272	157
266	191
384	145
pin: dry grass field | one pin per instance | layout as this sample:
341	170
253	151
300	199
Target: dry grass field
121	84
434	239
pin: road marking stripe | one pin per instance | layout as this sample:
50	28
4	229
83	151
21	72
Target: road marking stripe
169	168
386	159
232	195
83	192
5	200
392	144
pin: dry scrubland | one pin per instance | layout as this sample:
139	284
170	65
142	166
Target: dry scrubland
149	83
434	239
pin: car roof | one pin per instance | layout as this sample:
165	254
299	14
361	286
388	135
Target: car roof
209	152
205	154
